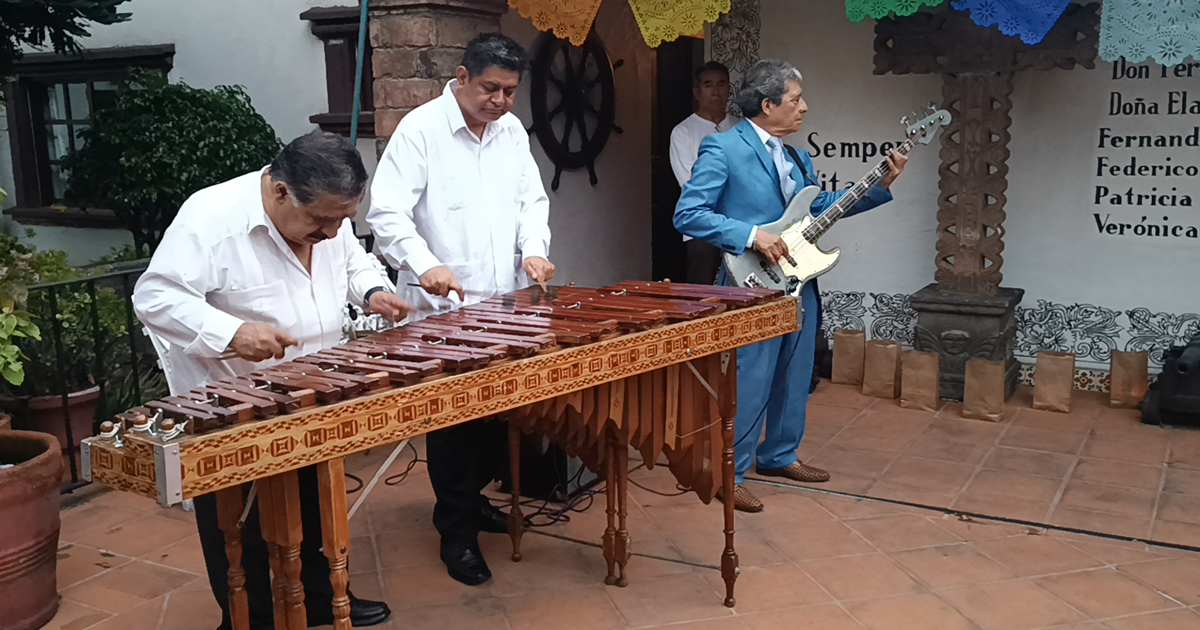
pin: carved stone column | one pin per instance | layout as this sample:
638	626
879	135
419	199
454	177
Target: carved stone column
966	313
416	46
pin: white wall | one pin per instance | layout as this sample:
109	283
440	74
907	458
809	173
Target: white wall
1053	247
601	234
262	45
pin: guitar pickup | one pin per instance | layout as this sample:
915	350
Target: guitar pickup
752	281
766	267
792	261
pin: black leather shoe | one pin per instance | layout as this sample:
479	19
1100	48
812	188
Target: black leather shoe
364	613
465	563
493	520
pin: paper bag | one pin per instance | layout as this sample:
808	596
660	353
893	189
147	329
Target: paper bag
1053	381
919	381
849	353
1130	377
983	391
881	376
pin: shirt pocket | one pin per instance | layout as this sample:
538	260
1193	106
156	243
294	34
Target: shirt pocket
452	193
269	303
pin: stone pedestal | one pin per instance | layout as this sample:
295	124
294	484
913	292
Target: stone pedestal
959	326
416	46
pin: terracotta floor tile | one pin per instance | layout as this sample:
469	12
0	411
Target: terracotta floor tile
147	616
848	483
1002	507
185	555
1011	485
995	606
79	522
671	599
1146	453
828	416
858	577
191	610
363	557
1170	620
367	586
827	617
405	549
951	565
1177	533
140	536
1185	449
853	463
1041	463
1100	497
125	500
911	494
586	609
705	548
1177	577
850	508
902	531
856	438
1042	440
1103	522
1118	473
1125	424
927	474
476	613
1104	593
1053	421
1182	481
818	540
720	623
77	563
1030	556
428	585
946	450
971	529
546	564
888	415
1110	551
956	429
664	558
1179	508
908	612
838	395
785	506
75	616
400	517
770	588
128	586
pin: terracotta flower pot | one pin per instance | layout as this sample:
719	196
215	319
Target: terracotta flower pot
44	414
29	493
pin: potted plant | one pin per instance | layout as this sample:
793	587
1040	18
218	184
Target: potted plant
30	473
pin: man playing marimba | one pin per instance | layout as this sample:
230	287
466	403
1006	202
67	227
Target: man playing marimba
457	205
262	267
745	178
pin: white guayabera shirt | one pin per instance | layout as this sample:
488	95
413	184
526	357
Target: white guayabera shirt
444	197
223	263
685	145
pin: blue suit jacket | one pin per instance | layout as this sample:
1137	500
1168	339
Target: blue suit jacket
734	187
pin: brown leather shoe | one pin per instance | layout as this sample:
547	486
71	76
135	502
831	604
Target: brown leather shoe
743	499
796	471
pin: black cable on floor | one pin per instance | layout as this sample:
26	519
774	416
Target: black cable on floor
986	517
399	477
353	477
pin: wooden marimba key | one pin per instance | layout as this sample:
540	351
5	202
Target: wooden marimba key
642	365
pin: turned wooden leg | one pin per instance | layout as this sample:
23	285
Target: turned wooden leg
623	549
727	394
266	519
229	511
287	533
335	532
610	495
516	520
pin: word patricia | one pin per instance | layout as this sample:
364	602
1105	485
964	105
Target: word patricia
1105	225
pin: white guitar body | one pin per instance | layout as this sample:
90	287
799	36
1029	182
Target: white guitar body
805	260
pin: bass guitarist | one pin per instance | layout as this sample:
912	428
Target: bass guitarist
743	179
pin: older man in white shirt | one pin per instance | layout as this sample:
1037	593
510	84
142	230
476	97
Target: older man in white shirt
710	88
458	207
263	266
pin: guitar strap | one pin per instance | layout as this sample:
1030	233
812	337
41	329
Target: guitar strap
808	181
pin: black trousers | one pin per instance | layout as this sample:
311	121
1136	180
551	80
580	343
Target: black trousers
318	591
703	262
463	460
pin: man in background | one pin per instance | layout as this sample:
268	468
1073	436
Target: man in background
710	87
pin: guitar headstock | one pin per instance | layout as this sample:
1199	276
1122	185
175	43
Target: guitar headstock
924	129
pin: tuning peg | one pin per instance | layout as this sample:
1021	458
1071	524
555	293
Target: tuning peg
904	120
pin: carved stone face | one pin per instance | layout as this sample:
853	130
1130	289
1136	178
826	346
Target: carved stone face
955	342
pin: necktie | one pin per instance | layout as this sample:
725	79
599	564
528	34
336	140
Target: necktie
786	184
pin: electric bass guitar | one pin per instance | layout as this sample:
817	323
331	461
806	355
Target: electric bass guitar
801	230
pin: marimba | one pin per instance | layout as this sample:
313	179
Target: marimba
638	364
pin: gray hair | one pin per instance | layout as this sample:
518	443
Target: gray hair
320	162
765	80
